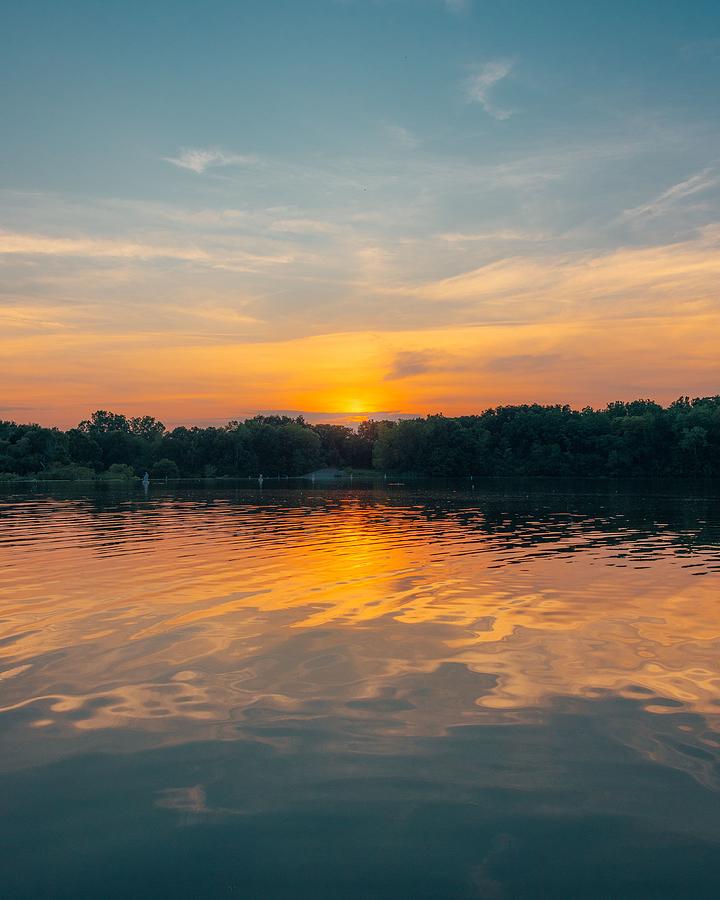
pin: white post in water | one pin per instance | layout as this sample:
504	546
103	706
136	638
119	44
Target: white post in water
260	480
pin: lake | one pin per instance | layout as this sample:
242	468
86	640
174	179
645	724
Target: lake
506	689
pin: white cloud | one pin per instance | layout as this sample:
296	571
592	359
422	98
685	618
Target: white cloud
13	243
478	86
665	279
696	184
507	234
199	159
302	226
225	255
457	6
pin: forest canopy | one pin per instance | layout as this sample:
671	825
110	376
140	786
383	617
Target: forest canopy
636	438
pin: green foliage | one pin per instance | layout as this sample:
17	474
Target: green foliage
103	422
119	472
26	449
636	438
69	472
165	468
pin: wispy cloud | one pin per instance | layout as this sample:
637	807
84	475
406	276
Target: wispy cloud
19	243
200	159
696	184
523	362
669	279
42	245
479	86
302	226
503	234
411	362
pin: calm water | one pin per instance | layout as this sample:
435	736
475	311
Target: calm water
413	692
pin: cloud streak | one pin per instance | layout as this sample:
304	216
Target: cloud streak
503	234
408	363
662	204
303	226
524	362
479	87
629	281
19	244
13	243
199	160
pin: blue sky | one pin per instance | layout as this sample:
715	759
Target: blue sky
178	175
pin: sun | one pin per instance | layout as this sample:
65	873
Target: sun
355	406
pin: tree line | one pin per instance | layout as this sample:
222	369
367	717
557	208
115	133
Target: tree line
636	438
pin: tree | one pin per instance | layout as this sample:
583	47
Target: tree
639	437
119	471
103	422
165	468
146	427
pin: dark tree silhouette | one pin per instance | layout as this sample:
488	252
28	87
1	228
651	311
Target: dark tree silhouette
636	438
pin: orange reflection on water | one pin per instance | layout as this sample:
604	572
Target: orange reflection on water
173	616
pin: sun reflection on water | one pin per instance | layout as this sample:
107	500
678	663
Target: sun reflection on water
183	617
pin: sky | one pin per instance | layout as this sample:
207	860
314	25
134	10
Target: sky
351	208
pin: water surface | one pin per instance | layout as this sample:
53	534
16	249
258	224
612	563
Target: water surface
510	689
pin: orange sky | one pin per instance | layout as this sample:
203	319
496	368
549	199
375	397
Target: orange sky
220	217
557	328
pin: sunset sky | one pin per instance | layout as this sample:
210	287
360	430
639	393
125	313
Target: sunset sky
356	207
